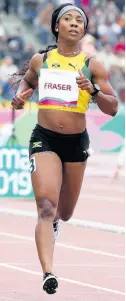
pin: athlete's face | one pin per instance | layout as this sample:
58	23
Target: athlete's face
71	26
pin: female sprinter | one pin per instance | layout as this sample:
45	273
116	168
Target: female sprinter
59	144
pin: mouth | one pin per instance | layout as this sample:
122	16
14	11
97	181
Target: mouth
73	32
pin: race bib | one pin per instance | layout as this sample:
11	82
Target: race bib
58	87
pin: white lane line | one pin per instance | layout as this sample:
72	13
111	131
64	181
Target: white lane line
66	265
90	266
65	245
83	284
72	221
15	242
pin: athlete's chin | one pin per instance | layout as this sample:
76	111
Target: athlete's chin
74	38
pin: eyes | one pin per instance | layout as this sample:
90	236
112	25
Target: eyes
78	20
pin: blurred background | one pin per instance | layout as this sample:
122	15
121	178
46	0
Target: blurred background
91	255
24	29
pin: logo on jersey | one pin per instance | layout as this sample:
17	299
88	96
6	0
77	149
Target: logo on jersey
75	67
56	65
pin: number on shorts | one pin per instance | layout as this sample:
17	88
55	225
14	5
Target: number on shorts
32	165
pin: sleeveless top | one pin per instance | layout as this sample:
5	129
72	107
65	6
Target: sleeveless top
58	89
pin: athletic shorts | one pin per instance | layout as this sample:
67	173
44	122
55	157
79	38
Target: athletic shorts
69	147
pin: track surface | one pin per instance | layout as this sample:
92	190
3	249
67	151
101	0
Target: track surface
90	262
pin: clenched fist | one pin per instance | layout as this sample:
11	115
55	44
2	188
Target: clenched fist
84	83
19	99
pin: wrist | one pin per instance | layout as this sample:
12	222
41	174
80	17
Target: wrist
92	90
96	90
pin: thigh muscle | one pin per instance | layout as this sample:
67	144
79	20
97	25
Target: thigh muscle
71	186
46	175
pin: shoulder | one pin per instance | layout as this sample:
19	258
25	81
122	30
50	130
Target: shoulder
36	61
87	58
96	68
46	55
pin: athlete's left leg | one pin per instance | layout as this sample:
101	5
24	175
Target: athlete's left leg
73	174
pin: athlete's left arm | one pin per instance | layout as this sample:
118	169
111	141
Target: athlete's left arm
106	98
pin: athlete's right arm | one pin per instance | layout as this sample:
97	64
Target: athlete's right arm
28	83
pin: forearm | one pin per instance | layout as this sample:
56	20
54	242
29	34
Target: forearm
108	104
23	86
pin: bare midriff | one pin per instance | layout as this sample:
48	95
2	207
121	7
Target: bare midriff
62	122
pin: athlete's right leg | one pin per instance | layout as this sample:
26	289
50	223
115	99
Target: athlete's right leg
46	175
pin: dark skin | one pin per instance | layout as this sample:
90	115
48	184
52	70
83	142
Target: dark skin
56	186
69	42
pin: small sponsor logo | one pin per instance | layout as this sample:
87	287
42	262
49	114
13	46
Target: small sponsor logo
75	67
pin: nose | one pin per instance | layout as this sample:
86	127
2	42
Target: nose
74	23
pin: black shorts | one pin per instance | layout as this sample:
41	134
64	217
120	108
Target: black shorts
69	147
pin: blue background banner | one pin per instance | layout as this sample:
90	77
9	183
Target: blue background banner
15	178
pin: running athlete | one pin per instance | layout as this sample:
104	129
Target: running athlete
67	79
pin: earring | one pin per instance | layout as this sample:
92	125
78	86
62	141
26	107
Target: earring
57	29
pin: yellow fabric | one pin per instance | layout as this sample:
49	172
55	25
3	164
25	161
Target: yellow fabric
78	61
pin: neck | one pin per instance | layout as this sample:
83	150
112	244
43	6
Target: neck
68	48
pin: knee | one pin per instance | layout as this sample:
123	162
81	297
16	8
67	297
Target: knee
46	208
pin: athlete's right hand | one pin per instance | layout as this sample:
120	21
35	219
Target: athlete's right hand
19	99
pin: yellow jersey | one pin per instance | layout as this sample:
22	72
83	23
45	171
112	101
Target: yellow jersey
57	83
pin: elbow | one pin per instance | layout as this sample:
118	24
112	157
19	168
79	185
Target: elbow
114	110
113	114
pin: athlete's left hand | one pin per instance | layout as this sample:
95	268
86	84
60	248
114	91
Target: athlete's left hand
84	83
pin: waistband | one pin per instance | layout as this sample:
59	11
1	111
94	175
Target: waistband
59	135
